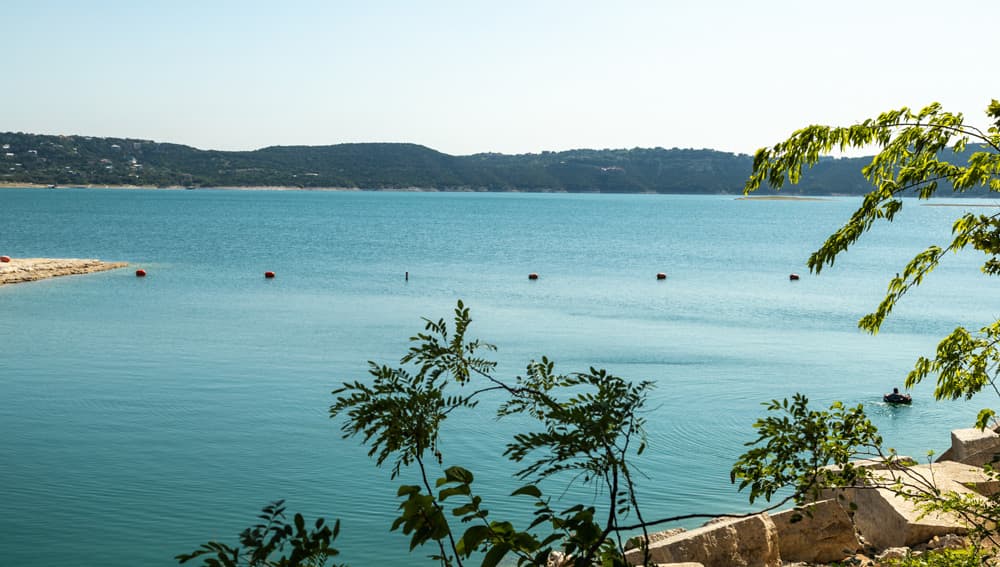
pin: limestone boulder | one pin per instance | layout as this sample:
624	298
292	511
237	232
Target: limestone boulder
886	519
974	447
821	532
740	542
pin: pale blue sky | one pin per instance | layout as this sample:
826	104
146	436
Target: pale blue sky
464	77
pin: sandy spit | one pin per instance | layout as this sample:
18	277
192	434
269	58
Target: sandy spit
20	270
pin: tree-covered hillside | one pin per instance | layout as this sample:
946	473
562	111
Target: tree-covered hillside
84	160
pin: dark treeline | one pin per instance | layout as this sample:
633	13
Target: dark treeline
83	160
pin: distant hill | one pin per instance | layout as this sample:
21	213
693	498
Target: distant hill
84	160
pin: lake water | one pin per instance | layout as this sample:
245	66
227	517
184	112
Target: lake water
142	417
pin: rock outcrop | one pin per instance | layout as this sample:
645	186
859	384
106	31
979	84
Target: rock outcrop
821	532
974	447
740	542
886	518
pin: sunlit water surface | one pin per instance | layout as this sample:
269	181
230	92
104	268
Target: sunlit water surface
142	417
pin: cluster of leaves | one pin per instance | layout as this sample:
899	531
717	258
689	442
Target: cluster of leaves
912	162
942	558
806	450
309	547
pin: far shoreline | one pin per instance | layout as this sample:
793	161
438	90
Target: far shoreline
735	196
782	198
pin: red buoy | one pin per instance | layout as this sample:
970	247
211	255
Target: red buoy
5	259
140	273
793	277
532	276
268	275
661	276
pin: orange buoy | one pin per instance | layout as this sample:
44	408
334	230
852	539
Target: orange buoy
661	276
140	273
5	259
269	275
793	277
532	276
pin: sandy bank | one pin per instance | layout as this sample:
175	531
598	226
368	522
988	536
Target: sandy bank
20	270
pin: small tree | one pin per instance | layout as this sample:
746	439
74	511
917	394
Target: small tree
588	425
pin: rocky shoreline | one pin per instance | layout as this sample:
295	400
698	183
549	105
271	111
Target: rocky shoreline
871	524
20	270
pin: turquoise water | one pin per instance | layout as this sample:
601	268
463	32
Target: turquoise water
142	417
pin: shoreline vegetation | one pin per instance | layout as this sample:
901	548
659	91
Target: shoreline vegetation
34	160
22	270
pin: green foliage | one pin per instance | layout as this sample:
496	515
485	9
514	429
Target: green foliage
309	547
912	161
590	433
400	413
792	449
806	450
943	558
588	426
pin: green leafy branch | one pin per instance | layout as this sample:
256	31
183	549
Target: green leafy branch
805	450
802	451
310	547
912	153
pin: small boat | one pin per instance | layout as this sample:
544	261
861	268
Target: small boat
897	398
